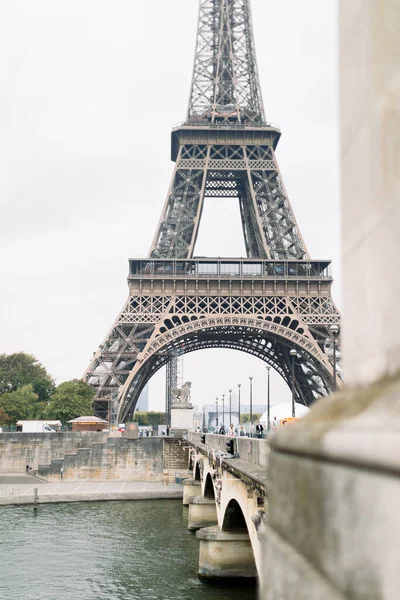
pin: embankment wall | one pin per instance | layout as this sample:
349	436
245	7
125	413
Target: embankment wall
94	456
20	449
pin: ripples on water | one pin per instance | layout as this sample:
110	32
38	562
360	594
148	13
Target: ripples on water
96	551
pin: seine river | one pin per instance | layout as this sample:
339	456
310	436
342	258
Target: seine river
103	550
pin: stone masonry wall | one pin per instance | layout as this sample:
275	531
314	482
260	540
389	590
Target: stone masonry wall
20	449
116	459
95	456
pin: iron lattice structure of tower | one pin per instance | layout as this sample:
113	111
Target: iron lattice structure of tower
268	303
174	378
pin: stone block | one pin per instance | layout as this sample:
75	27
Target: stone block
43	471
225	555
70	462
333	498
370	133
289	576
202	513
56	465
181	417
191	489
83	457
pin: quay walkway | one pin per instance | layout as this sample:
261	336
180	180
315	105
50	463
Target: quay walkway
18	489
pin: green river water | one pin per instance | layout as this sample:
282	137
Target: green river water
103	550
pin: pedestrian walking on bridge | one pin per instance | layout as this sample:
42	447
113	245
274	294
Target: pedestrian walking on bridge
259	430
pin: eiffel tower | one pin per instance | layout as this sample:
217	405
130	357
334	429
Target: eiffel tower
273	301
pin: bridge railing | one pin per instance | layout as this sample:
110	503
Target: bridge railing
250	449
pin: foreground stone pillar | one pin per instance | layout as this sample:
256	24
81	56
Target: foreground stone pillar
202	513
225	555
334	523
191	489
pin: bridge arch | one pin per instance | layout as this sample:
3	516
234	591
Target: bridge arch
234	519
197	472
236	507
209	491
269	340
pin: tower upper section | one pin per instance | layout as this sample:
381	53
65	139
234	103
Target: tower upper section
225	84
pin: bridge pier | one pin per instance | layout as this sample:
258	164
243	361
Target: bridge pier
202	513
225	555
191	489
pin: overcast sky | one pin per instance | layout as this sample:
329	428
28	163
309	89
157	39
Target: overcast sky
89	92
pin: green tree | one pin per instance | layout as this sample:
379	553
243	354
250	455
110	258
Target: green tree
5	419
21	404
141	418
156	418
20	369
245	418
152	418
70	400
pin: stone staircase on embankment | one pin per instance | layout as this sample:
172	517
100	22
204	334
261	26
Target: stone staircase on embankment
176	460
144	459
20	449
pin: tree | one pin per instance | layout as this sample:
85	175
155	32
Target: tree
141	418
150	418
245	418
20	369
5	419
21	404
156	418
70	400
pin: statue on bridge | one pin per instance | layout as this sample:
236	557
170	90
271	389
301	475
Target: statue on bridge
182	395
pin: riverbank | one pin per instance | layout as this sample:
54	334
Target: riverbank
17	489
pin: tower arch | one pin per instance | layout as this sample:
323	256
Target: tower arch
266	340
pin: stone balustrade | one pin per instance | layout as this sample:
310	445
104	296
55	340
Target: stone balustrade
252	450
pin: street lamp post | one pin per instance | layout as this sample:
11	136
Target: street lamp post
334	329
216	412
239	386
251	406
204	418
230	407
293	354
223	411
268	401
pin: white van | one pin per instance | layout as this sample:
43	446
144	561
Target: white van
35	427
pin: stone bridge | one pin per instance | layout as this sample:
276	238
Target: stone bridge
227	499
